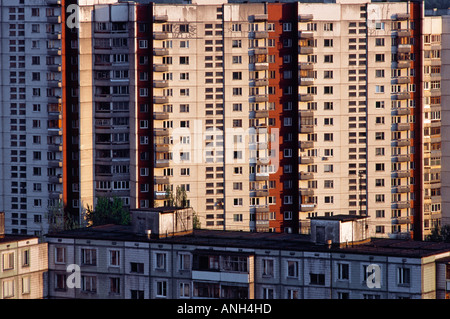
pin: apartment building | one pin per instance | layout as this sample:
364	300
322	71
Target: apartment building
32	110
23	273
238	104
118	262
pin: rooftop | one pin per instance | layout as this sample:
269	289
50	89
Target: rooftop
254	240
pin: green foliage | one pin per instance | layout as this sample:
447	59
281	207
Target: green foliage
108	211
180	199
440	234
196	221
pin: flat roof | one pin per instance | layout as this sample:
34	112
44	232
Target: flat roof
340	217
269	241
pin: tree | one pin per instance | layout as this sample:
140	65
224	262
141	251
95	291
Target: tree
108	211
59	220
440	234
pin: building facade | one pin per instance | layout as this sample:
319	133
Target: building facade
24	265
264	114
115	263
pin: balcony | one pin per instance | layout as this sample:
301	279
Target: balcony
162	148
403	33
160	68
160	99
261	82
261	192
306	191
54	2
55	163
402	220
54	52
262	209
260	17
261	98
305	50
402	189
161	18
403	64
306	160
402	174
402	127
54	83
305	176
55	179
160	195
306	81
306	35
306	97
54	67
402	16
54	36
160	116
402	95
160	35
402	158
259	51
161	132
55	148
54	19
305	144
162	163
160	84
305	17
401	111
164	180
401	205
54	131
402	142
306	66
261	177
261	66
261	113
304	128
260	34
307	207
404	48
402	80
160	51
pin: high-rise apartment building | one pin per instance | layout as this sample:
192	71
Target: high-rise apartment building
265	114
32	90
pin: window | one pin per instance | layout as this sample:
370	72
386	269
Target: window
403	276
184	60
328	42
137	268
60	255
343	271
114	258
114	285
160	261
88	256
8	261
287	27
89	284
268	267
25	258
185	290
236	43
379	57
292	269
161	288
317	279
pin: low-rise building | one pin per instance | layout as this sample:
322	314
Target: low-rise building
116	262
23	271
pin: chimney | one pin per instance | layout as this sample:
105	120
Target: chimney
2	224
